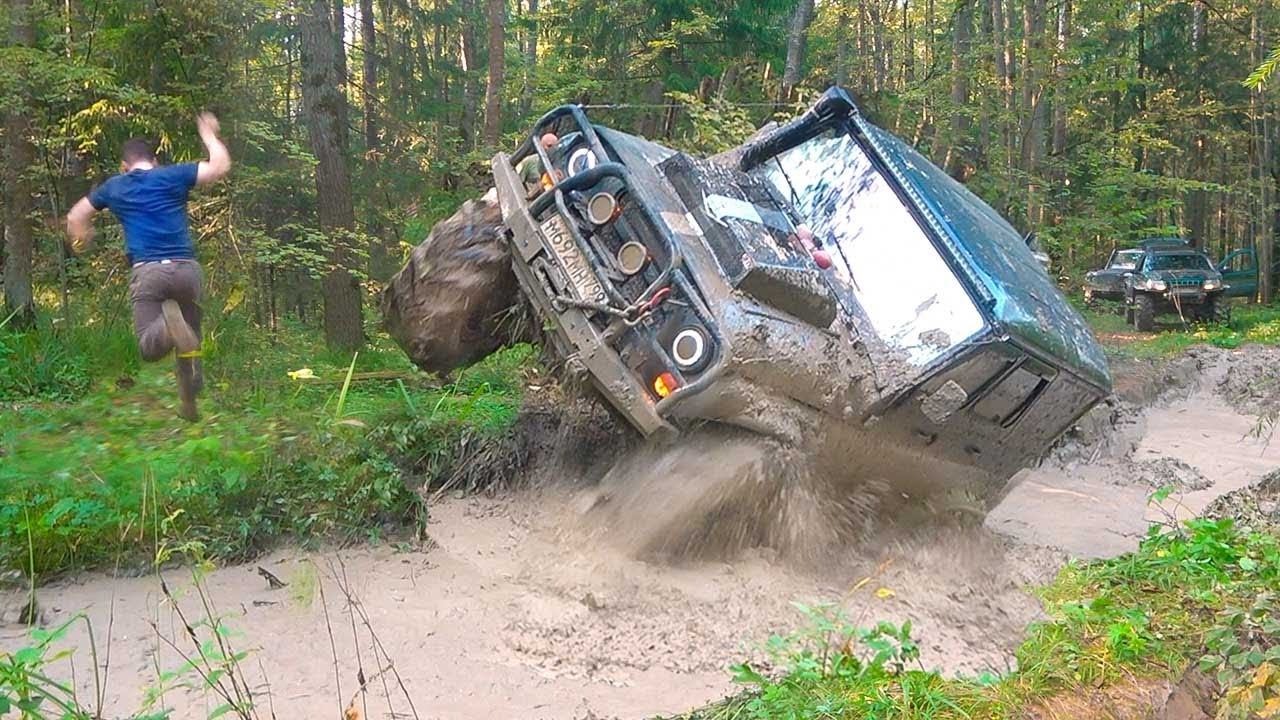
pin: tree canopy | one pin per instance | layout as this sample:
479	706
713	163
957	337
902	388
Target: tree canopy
1093	122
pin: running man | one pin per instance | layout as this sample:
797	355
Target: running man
150	201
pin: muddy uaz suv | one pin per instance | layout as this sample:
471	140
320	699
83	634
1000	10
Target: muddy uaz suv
824	284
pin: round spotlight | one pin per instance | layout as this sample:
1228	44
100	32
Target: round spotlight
581	160
689	349
631	257
602	208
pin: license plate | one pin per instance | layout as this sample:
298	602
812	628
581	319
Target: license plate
585	284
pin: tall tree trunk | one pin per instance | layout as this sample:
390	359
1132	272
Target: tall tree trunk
340	41
369	82
1032	105
289	42
530	59
842	46
962	35
1268	178
1059	146
1197	208
908	47
497	67
19	205
467	55
878	54
797	37
325	106
999	42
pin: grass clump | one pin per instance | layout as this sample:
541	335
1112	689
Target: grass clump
1249	324
294	442
1201	596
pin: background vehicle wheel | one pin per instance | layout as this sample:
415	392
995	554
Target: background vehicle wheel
1128	315
1215	310
1144	313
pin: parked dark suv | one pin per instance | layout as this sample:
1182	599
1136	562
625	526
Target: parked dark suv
1238	271
1182	281
825	284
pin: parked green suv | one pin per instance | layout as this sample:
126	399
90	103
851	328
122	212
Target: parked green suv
1174	280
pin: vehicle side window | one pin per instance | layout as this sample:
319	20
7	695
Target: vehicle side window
1125	260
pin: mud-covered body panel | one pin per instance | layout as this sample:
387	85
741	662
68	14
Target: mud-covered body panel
797	352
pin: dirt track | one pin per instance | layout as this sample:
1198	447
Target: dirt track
522	611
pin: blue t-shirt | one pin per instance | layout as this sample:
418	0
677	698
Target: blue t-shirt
152	207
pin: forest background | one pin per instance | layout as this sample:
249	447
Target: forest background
356	124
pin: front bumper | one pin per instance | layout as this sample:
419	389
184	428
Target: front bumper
589	350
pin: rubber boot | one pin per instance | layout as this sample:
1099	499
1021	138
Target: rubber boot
189	382
185	341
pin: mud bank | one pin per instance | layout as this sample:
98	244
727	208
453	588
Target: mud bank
518	608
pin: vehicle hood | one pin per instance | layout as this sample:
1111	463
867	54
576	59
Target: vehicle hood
1107	273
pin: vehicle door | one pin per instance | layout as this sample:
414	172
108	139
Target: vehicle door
1240	272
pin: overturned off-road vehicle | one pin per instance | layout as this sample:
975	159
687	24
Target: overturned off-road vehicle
824	285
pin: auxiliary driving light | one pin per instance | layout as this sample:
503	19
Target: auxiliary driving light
665	384
631	257
602	208
689	349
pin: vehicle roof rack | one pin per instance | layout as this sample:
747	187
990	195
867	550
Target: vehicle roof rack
1163	242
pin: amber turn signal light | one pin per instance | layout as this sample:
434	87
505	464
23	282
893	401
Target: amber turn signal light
665	384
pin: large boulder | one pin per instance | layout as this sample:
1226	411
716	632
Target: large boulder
457	299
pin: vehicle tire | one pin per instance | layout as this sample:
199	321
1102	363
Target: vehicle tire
1144	313
457	300
1215	311
1128	315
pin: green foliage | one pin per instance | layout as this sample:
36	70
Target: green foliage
114	474
1263	72
831	668
715	125
1202	593
1249	325
25	686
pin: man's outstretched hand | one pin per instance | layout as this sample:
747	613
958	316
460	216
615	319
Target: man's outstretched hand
207	125
219	162
80	225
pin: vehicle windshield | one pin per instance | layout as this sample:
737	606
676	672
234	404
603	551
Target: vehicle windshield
1178	261
907	292
1025	299
1126	260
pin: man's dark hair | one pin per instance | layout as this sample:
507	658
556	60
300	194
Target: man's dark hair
137	150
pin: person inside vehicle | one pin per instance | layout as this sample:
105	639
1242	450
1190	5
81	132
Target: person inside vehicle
530	169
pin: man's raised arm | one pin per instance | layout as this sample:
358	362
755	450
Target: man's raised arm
219	162
80	224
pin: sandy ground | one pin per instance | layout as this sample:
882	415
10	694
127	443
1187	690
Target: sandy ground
517	609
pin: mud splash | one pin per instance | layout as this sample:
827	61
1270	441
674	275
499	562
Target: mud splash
717	494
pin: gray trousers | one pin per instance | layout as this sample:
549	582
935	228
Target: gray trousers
150	284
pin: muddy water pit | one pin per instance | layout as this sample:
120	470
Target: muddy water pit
517	608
